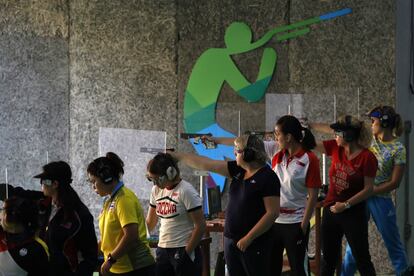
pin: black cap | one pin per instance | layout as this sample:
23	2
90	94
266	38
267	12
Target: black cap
340	126
59	170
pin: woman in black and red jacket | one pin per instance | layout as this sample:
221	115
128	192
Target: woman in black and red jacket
66	223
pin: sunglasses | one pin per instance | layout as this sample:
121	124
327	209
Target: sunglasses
339	133
238	151
154	180
46	182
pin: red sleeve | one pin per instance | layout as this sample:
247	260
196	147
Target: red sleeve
278	158
313	175
330	146
370	165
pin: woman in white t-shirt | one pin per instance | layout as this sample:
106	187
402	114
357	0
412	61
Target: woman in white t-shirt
179	208
298	170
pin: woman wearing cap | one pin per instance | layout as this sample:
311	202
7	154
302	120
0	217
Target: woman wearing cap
70	233
351	176
252	208
121	222
391	155
21	252
67	224
179	208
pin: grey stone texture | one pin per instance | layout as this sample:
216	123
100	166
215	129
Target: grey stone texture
122	72
69	67
34	88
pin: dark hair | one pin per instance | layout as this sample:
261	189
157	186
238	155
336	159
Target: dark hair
161	162
289	124
394	119
67	198
111	162
22	211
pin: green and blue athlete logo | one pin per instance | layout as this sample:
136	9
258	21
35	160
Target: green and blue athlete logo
215	66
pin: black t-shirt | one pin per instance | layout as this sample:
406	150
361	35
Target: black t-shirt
245	207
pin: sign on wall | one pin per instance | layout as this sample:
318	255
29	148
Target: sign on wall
215	67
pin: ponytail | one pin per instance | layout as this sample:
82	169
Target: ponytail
308	141
116	162
398	128
290	125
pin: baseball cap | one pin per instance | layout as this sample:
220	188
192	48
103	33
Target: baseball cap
58	170
375	114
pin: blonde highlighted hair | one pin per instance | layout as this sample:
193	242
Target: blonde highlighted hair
364	138
256	145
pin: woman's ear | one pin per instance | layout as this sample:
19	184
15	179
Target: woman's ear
55	184
288	137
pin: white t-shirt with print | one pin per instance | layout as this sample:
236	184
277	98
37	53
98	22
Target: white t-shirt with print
173	207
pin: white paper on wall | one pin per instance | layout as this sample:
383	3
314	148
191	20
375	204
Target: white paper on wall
278	105
136	148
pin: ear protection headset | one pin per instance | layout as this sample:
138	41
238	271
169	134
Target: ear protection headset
104	172
249	153
386	120
170	173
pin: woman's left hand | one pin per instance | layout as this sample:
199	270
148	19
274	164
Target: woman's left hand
339	207
243	243
105	267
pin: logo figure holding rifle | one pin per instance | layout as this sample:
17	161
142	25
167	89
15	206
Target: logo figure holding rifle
215	66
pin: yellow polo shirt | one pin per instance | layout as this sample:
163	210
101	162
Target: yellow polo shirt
118	211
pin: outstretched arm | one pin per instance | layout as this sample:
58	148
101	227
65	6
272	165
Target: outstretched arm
228	141
19	191
202	163
323	128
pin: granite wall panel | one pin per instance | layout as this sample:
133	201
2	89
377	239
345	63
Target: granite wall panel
122	72
34	93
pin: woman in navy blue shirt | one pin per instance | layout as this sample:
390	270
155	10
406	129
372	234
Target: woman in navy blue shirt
253	204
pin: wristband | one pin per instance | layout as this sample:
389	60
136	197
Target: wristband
347	205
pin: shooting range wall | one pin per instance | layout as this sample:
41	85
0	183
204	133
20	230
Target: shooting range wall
70	67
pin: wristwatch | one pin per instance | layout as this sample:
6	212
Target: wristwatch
111	259
347	205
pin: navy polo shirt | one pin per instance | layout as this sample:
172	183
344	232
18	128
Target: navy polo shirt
246	207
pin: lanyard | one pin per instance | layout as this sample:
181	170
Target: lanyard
117	188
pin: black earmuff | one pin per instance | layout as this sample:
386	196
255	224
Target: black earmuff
384	120
387	120
249	153
104	172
